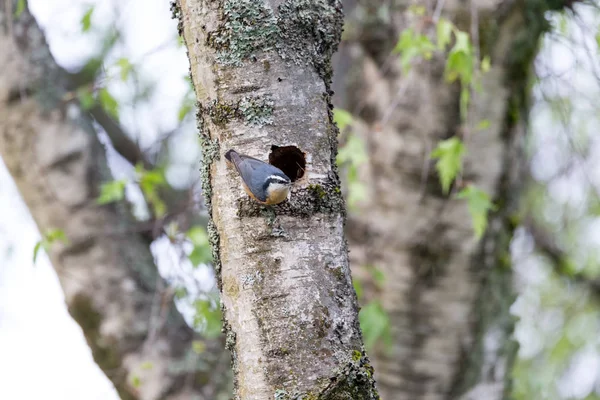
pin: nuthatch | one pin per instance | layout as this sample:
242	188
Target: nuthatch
263	182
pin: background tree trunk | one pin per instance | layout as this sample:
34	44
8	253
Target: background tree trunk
261	70
448	296
112	287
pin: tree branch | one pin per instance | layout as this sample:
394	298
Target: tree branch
558	257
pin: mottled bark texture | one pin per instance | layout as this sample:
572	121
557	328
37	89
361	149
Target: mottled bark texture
107	270
261	70
448	295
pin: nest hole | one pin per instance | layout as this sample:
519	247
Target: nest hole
290	160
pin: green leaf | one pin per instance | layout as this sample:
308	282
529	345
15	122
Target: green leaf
20	8
48	239
207	318
187	104
357	288
486	64
152	178
183	111
198	236
412	45
353	152
171	231
180	292
86	99
459	66
405	41
561	350
150	182
90	70
112	191
147	365
190	83
351	156
108	102
563	24
449	154
417	10
125	66
198	346
202	252
406	49
56	234
444	33
200	255
375	324
86	20
479	204
357	193
463	43
36	250
136	382
342	118
460	60
378	276
158	206
483	124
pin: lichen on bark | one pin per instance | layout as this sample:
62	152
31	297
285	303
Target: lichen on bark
264	70
247	26
302	31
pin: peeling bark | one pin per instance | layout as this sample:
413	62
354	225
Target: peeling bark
448	296
107	270
261	70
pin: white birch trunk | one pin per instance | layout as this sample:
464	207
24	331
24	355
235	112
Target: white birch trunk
261	72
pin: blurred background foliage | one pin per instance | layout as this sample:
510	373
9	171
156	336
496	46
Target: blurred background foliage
139	78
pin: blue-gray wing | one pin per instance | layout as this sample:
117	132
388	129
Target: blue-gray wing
254	172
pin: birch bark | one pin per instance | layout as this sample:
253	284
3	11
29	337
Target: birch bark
448	296
262	72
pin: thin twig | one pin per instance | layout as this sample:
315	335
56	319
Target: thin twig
438	10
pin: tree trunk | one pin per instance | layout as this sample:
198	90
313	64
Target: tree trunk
261	70
448	295
106	270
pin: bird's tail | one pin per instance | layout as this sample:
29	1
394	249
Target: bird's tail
234	158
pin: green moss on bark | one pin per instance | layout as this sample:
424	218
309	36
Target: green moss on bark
304	31
253	110
317	198
248	26
353	381
311	30
257	111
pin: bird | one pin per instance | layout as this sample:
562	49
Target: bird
263	182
